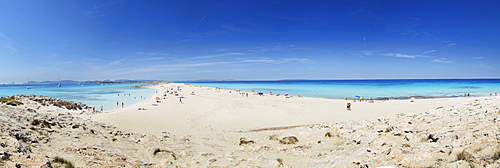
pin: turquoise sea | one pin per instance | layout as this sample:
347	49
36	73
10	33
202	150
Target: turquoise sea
377	89
94	95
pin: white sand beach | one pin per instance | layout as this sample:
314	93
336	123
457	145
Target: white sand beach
211	111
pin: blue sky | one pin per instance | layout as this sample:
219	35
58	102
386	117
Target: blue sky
250	40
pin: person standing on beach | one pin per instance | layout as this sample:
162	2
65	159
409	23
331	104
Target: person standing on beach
117	104
123	104
102	108
349	106
180	99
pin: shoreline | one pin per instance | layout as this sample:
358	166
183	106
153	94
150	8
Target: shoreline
376	99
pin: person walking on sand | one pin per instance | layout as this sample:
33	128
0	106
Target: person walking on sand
102	108
349	106
180	99
123	104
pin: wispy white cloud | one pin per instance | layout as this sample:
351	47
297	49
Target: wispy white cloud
238	70
400	55
195	26
10	48
476	58
486	66
446	46
154	58
285	60
99	9
232	28
5	37
260	61
94	14
154	53
153	69
116	62
427	52
66	62
441	60
363	53
205	71
221	50
216	55
299	60
197	64
186	40
274	46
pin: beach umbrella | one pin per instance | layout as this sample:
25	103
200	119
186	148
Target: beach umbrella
358	97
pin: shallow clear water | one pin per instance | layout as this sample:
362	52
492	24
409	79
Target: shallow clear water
378	89
94	95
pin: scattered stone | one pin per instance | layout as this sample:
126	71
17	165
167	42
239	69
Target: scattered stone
433	137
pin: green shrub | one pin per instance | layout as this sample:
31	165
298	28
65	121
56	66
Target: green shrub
14	103
10	101
42	123
67	164
289	140
6	99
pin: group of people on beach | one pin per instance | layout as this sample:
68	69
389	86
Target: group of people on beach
118	103
94	110
176	92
